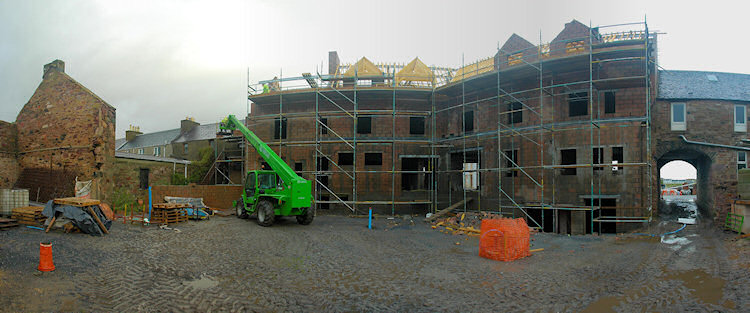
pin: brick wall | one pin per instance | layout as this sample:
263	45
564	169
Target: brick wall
215	196
9	169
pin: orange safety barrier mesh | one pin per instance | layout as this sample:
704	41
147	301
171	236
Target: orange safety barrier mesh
504	239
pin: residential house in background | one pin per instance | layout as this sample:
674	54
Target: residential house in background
185	143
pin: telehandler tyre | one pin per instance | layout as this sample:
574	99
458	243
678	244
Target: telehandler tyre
239	209
307	218
265	213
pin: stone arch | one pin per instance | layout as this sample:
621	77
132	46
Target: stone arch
700	158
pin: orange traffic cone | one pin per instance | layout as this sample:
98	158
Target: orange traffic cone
45	257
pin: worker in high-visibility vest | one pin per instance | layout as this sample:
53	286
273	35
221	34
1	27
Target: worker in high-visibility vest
265	88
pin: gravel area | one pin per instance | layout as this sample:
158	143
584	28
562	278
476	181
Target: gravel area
337	264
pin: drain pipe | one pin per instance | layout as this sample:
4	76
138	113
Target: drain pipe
708	144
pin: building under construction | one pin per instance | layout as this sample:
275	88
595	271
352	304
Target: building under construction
558	133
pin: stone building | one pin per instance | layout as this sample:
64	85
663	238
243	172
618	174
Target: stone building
64	131
186	143
701	118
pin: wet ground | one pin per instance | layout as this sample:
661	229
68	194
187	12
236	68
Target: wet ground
337	264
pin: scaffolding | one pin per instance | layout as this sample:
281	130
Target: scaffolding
524	84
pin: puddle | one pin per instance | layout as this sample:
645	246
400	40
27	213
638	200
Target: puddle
202	283
676	242
702	285
603	304
608	304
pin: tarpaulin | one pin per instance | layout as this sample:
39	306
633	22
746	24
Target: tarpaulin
80	218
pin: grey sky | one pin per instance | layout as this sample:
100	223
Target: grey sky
160	61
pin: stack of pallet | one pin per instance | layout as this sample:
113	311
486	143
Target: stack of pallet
29	215
5	223
169	213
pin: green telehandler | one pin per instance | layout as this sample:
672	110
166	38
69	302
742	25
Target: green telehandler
271	193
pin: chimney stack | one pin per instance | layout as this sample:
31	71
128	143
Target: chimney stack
188	124
57	65
133	132
333	62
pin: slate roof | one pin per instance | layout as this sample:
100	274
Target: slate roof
200	132
119	143
152	139
144	157
693	85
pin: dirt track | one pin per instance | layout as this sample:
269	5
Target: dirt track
336	264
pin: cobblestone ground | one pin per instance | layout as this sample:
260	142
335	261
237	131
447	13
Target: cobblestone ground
336	264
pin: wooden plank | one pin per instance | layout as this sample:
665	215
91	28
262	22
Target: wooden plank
54	218
79	202
28	210
8	225
170	205
446	210
98	221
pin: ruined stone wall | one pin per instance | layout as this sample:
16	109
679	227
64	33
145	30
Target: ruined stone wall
9	169
65	127
127	174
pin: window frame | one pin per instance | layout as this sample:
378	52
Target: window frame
360	129
569	171
515	113
372	154
678	126
157	151
740	127
741	163
610	108
280	128
415	129
615	169
324	129
140	151
340	163
580	98
465	125
597	153
513	169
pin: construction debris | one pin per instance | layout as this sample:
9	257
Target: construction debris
29	215
84	215
463	223
447	210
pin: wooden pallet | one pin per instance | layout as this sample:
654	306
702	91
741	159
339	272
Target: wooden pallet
7	223
79	202
170	205
169	216
28	210
30	215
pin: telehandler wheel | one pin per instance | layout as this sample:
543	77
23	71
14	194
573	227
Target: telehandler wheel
265	213
239	209
307	218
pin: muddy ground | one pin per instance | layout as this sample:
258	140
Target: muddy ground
336	264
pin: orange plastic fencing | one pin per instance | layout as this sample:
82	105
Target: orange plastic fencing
504	239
